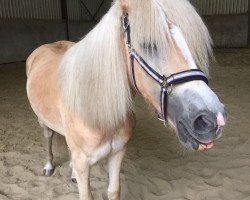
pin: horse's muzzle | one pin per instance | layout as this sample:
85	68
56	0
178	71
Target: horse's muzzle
199	120
202	130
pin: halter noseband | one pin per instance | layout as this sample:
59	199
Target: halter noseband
166	83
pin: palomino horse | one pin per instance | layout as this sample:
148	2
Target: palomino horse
84	91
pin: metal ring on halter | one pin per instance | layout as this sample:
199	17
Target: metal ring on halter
164	83
170	89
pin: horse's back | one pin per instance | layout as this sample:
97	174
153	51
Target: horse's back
47	53
42	84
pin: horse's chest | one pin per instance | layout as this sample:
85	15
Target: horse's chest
112	145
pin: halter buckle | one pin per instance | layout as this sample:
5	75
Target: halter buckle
125	22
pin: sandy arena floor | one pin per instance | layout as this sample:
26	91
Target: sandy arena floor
155	167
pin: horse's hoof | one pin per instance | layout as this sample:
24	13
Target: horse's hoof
48	169
73	176
74	180
48	172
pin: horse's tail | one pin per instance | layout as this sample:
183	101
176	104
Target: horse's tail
29	62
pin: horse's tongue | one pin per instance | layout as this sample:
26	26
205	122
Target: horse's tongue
203	147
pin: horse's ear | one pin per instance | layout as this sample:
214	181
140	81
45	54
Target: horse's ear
125	5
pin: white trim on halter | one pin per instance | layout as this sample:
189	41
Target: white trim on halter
182	44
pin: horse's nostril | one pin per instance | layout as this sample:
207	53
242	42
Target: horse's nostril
203	124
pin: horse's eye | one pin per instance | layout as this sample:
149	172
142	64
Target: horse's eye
150	48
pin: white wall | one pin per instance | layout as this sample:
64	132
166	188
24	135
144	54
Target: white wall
26	24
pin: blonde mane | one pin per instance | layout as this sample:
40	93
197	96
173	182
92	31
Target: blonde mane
94	80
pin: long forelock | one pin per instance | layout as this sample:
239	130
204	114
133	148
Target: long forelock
149	24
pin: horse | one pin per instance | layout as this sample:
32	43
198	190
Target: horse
84	91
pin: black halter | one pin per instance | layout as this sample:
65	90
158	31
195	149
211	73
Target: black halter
166	83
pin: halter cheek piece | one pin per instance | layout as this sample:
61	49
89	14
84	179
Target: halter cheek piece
166	83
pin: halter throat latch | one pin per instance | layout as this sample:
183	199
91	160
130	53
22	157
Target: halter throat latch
126	29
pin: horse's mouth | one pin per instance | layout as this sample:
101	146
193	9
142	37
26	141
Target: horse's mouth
204	146
189	140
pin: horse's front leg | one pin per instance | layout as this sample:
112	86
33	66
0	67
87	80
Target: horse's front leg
114	166
81	166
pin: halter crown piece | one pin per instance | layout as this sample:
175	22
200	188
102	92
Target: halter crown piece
165	82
